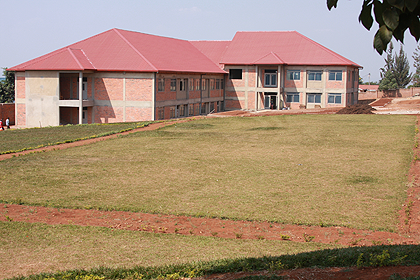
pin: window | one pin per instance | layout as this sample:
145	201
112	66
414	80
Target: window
161	113
293	75
161	84
172	110
292	97
191	83
334	98
191	109
335	75
203	108
222	84
270	78
314	98
217	84
203	84
235	74
211	107
173	84
197	84
314	75
182	85
211	84
182	110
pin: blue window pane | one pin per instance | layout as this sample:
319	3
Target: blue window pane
339	76
311	98
318	98
330	98
338	99
296	98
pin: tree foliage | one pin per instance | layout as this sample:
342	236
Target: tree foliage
416	58
396	72
394	17
7	87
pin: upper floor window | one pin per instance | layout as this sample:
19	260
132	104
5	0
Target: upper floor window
191	83
211	84
161	84
222	84
235	74
335	75
203	84
217	84
293	75
314	75
182	84
173	84
270	78
197	84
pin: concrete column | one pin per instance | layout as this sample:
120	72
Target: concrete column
80	97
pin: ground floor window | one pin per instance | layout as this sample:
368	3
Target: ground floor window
191	109
292	97
161	113
314	98
211	107
182	110
172	110
334	98
203	108
219	106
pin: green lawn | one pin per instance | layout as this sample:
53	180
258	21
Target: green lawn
17	139
34	248
332	169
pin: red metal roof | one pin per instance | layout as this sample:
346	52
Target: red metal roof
213	49
272	47
121	50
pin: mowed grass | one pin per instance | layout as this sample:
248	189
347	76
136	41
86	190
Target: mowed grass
17	139
35	248
345	170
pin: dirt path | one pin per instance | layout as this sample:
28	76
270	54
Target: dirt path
409	228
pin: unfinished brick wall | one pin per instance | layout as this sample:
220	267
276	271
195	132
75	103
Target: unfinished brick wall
7	111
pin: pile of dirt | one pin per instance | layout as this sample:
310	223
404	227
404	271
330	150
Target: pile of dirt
357	109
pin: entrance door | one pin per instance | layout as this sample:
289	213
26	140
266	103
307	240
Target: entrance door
270	102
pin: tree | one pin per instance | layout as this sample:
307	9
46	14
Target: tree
416	58
393	16
396	72
7	87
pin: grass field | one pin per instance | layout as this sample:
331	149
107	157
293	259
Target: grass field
17	139
35	248
332	169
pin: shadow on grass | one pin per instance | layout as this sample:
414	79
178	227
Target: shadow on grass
384	255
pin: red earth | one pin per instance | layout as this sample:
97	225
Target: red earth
409	228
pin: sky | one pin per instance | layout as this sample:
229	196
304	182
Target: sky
33	28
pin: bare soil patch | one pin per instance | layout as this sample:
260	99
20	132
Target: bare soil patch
409	228
357	109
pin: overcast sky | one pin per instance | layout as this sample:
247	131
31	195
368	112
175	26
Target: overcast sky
32	28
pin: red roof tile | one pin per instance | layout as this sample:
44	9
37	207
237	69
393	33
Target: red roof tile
121	50
213	49
268	47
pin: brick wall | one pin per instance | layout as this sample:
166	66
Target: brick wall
7	111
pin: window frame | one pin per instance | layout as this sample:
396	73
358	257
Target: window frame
293	97
173	84
332	75
235	74
271	74
291	73
335	96
315	98
314	75
161	84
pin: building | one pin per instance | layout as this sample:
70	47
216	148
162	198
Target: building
131	76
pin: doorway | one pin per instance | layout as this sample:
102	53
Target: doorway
270	101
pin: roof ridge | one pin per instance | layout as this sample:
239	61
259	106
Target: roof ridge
136	50
74	57
270	53
342	58
87	58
